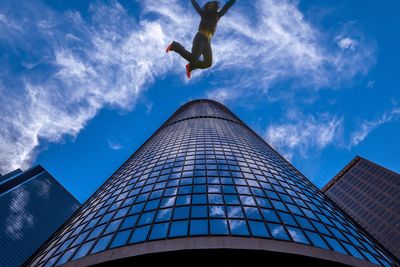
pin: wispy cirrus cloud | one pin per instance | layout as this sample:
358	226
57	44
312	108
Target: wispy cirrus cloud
61	68
74	67
304	134
367	126
280	48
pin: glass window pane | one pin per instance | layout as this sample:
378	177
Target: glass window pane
278	231
317	240
140	234
270	215
101	244
335	245
238	227
112	226
183	200
215	199
67	255
121	213
83	250
321	228
179	228
96	232
137	208
353	251
120	239
198	227
129	222
258	229
304	223
263	202
287	218
252	213
297	235
235	212
199	199
217	212
164	215
181	213
219	227
232	199
199	212
159	231
248	200
147	218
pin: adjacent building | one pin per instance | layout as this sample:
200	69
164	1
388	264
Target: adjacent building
370	194
33	205
207	190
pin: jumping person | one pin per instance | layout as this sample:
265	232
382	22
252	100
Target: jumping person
202	41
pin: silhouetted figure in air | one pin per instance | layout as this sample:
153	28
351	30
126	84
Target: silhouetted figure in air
202	41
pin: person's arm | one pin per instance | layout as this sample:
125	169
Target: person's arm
197	7
226	7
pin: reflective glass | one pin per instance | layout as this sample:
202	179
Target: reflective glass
120	239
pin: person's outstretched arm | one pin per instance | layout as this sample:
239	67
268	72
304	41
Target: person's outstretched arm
197	7
226	7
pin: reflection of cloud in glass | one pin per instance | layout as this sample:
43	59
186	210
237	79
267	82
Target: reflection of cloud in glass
19	217
235	212
44	188
278	231
247	200
170	202
217	211
297	235
238	227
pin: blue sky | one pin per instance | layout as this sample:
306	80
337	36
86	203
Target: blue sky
84	84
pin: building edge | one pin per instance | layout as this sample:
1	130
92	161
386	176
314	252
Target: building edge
180	245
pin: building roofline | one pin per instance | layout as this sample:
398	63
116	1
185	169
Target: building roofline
341	173
19	178
351	164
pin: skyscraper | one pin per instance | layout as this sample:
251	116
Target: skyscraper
370	194
33	205
206	189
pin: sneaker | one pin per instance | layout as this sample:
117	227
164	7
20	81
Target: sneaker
169	48
188	72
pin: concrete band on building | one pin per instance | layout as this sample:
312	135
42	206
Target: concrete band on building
283	252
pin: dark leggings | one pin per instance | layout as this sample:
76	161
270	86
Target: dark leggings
201	46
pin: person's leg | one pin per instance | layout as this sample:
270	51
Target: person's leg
207	57
200	43
178	48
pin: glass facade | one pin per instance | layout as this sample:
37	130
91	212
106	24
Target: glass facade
33	205
205	173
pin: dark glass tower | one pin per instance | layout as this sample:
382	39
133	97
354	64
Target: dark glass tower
370	194
33	205
206	189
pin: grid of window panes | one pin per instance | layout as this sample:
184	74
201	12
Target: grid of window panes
206	177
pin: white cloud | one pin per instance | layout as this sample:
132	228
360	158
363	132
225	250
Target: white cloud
257	52
114	145
304	134
149	107
77	66
367	126
222	95
107	61
346	43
